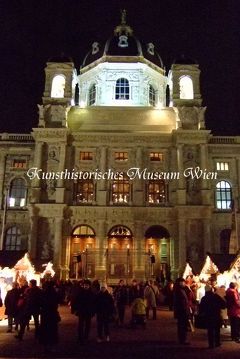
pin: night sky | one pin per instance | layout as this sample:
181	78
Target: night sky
33	31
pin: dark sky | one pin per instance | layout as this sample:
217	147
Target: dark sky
33	31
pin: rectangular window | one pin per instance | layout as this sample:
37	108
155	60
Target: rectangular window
156	156
86	156
222	166
121	156
19	163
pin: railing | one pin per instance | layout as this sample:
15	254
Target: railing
118	263
224	140
16	137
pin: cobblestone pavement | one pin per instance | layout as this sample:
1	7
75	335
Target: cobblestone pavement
158	340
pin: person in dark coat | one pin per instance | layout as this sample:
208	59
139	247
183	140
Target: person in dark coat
233	310
10	303
104	311
181	310
120	297
49	316
31	307
23	317
210	306
84	308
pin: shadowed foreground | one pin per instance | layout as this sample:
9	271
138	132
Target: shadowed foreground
158	340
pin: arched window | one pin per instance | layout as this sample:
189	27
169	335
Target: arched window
13	239
17	193
223	195
120	232
121	190
84	191
92	95
152	96
122	89
156	192
186	88
58	86
83	231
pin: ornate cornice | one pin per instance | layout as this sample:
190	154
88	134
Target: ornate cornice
41	134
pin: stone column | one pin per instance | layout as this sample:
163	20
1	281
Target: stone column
182	243
101	247
36	182
66	257
207	245
181	192
172	255
32	245
205	193
102	183
138	184
60	182
57	256
2	174
139	251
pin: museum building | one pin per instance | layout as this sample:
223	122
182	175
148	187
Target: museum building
121	178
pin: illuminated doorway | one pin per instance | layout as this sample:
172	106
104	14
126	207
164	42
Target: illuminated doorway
83	244
157	245
120	253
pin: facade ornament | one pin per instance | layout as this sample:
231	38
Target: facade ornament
95	48
200	112
123	28
51	186
150	48
123	41
53	154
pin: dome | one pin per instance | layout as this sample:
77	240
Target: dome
123	43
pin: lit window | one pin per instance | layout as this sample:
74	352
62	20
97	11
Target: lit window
222	166
19	163
17	193
152	96
92	95
58	86
84	231
223	195
13	239
156	192
186	88
86	156
122	89
121	156
84	192
156	156
121	190
119	232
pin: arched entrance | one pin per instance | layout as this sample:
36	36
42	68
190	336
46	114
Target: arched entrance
83	243
157	242
119	253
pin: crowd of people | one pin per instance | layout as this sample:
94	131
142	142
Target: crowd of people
218	307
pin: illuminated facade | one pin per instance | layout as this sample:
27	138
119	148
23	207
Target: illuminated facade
140	206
